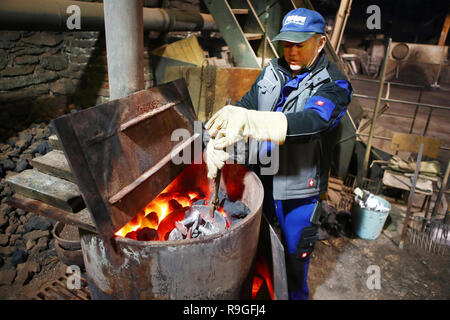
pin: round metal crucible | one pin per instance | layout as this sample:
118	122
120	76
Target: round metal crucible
217	266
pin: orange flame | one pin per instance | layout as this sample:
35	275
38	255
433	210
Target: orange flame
262	274
225	215
157	210
191	185
257	283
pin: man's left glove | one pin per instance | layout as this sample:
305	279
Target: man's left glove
232	124
215	158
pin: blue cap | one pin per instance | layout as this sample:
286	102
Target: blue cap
300	24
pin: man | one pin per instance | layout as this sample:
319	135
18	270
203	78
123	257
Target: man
294	105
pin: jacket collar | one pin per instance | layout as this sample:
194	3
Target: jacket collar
282	66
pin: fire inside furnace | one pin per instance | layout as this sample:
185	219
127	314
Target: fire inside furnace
181	212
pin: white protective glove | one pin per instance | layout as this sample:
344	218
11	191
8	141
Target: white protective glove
215	158
232	124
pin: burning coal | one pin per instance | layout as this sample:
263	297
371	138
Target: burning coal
177	214
198	223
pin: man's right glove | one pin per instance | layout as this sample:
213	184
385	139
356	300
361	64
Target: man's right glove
215	158
231	124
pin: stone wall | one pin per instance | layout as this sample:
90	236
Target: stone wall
46	74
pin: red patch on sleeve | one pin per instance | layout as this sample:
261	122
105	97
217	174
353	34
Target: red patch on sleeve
320	102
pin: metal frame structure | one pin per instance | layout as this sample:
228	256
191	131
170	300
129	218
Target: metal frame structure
417	104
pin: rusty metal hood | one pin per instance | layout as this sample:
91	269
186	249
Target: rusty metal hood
120	151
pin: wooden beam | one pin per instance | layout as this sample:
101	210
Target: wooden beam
81	219
58	192
339	24
55	164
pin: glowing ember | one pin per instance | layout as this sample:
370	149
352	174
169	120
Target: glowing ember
256	286
157	210
226	216
262	275
189	189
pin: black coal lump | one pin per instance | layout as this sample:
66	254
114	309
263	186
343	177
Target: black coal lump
236	209
19	257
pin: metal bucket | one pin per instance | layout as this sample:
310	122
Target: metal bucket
218	266
68	250
367	224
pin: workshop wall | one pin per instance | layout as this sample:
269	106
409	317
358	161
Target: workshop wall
46	74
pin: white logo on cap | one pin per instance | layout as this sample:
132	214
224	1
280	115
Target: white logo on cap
295	19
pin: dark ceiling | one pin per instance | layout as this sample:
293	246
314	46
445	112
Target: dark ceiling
415	21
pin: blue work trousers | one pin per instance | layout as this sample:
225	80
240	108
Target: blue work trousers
293	216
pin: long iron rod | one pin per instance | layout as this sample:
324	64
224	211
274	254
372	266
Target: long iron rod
441	191
428	122
265	37
415	111
400	84
341	32
215	197
377	137
411	198
339	24
375	113
402	102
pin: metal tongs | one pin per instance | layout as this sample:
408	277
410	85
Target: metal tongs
215	198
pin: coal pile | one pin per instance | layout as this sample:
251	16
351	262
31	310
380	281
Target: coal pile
198	223
334	223
27	246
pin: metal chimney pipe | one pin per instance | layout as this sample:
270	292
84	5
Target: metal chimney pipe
124	35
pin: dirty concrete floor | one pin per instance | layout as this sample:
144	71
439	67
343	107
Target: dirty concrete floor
340	271
51	271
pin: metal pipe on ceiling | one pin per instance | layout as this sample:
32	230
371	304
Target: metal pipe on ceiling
52	15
